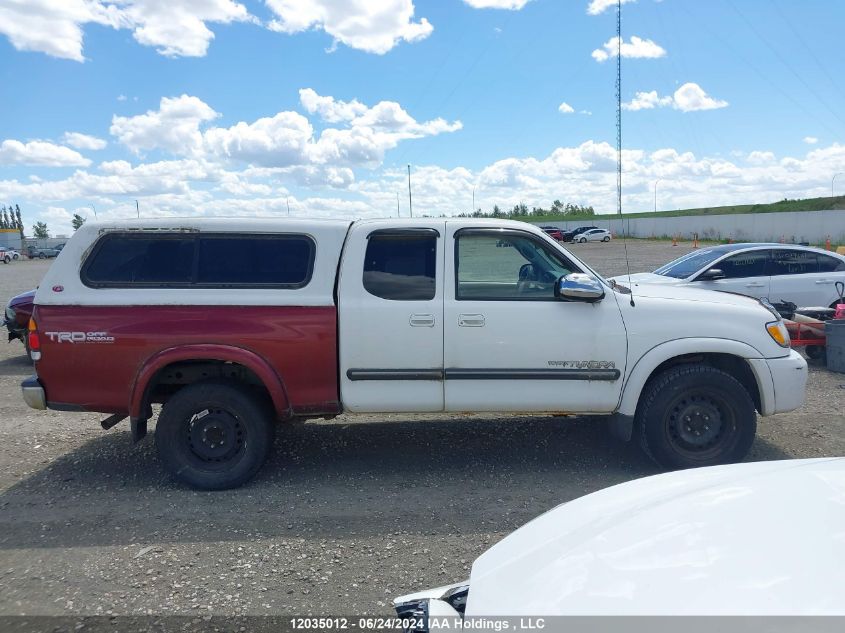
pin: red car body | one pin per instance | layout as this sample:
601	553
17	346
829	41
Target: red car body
18	313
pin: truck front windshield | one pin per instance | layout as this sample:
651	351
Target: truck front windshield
691	263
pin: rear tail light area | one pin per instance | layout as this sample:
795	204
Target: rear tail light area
33	340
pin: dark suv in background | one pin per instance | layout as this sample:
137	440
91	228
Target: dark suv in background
36	252
568	236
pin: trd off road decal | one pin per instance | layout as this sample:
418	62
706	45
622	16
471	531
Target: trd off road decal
80	337
583	364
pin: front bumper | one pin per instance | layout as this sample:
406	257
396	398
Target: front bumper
789	380
33	393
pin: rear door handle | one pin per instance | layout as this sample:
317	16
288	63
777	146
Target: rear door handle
471	320
422	320
824	281
755	284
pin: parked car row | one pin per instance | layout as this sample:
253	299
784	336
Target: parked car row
580	234
7	255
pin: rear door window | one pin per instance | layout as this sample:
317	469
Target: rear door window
794	262
401	265
828	264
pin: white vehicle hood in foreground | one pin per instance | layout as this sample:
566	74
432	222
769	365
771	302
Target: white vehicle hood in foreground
763	538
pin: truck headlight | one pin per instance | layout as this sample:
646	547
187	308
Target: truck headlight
777	330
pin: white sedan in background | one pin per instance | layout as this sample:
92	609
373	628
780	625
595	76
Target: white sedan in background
760	539
803	275
593	235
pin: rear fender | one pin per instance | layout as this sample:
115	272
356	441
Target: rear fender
227	353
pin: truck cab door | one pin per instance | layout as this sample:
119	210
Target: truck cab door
510	345
390	310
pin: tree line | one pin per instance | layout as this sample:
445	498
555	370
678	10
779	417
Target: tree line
558	209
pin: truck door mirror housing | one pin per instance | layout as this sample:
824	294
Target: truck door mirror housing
579	287
711	274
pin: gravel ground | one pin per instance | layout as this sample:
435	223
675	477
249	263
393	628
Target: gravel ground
346	515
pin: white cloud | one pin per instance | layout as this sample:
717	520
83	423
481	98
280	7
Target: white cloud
811	140
83	141
565	108
286	139
688	98
173	27
374	27
691	97
760	158
513	5
599	6
647	101
178	28
635	48
174	126
121	97
41	153
328	108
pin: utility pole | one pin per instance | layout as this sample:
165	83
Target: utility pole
287	201
473	199
655	194
397	204
137	210
841	173
410	201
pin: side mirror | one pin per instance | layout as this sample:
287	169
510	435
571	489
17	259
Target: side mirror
579	287
711	275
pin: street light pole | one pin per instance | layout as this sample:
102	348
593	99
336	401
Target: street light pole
655	193
410	201
397	204
473	199
841	173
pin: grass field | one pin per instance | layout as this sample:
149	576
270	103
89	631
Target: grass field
807	204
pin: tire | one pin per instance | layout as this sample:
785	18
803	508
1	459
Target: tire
583	240
695	394
234	415
816	352
606	238
7	260
42	256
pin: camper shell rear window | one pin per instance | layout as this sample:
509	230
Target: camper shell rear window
200	260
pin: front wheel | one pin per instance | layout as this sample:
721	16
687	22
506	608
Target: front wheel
606	238
7	260
695	415
583	240
42	256
214	435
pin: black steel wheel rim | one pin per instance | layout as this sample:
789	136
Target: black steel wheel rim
215	438
699	424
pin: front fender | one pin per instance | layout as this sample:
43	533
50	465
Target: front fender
651	360
226	353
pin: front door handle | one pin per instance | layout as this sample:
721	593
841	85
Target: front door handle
422	320
471	320
824	281
755	284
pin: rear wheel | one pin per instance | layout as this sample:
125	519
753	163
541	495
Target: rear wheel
7	259
583	240
606	238
214	435
42	256
695	415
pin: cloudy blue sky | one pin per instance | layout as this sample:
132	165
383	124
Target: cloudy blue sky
245	107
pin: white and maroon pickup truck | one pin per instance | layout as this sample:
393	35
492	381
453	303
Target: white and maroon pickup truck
234	324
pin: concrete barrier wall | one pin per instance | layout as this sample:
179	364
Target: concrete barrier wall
802	226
